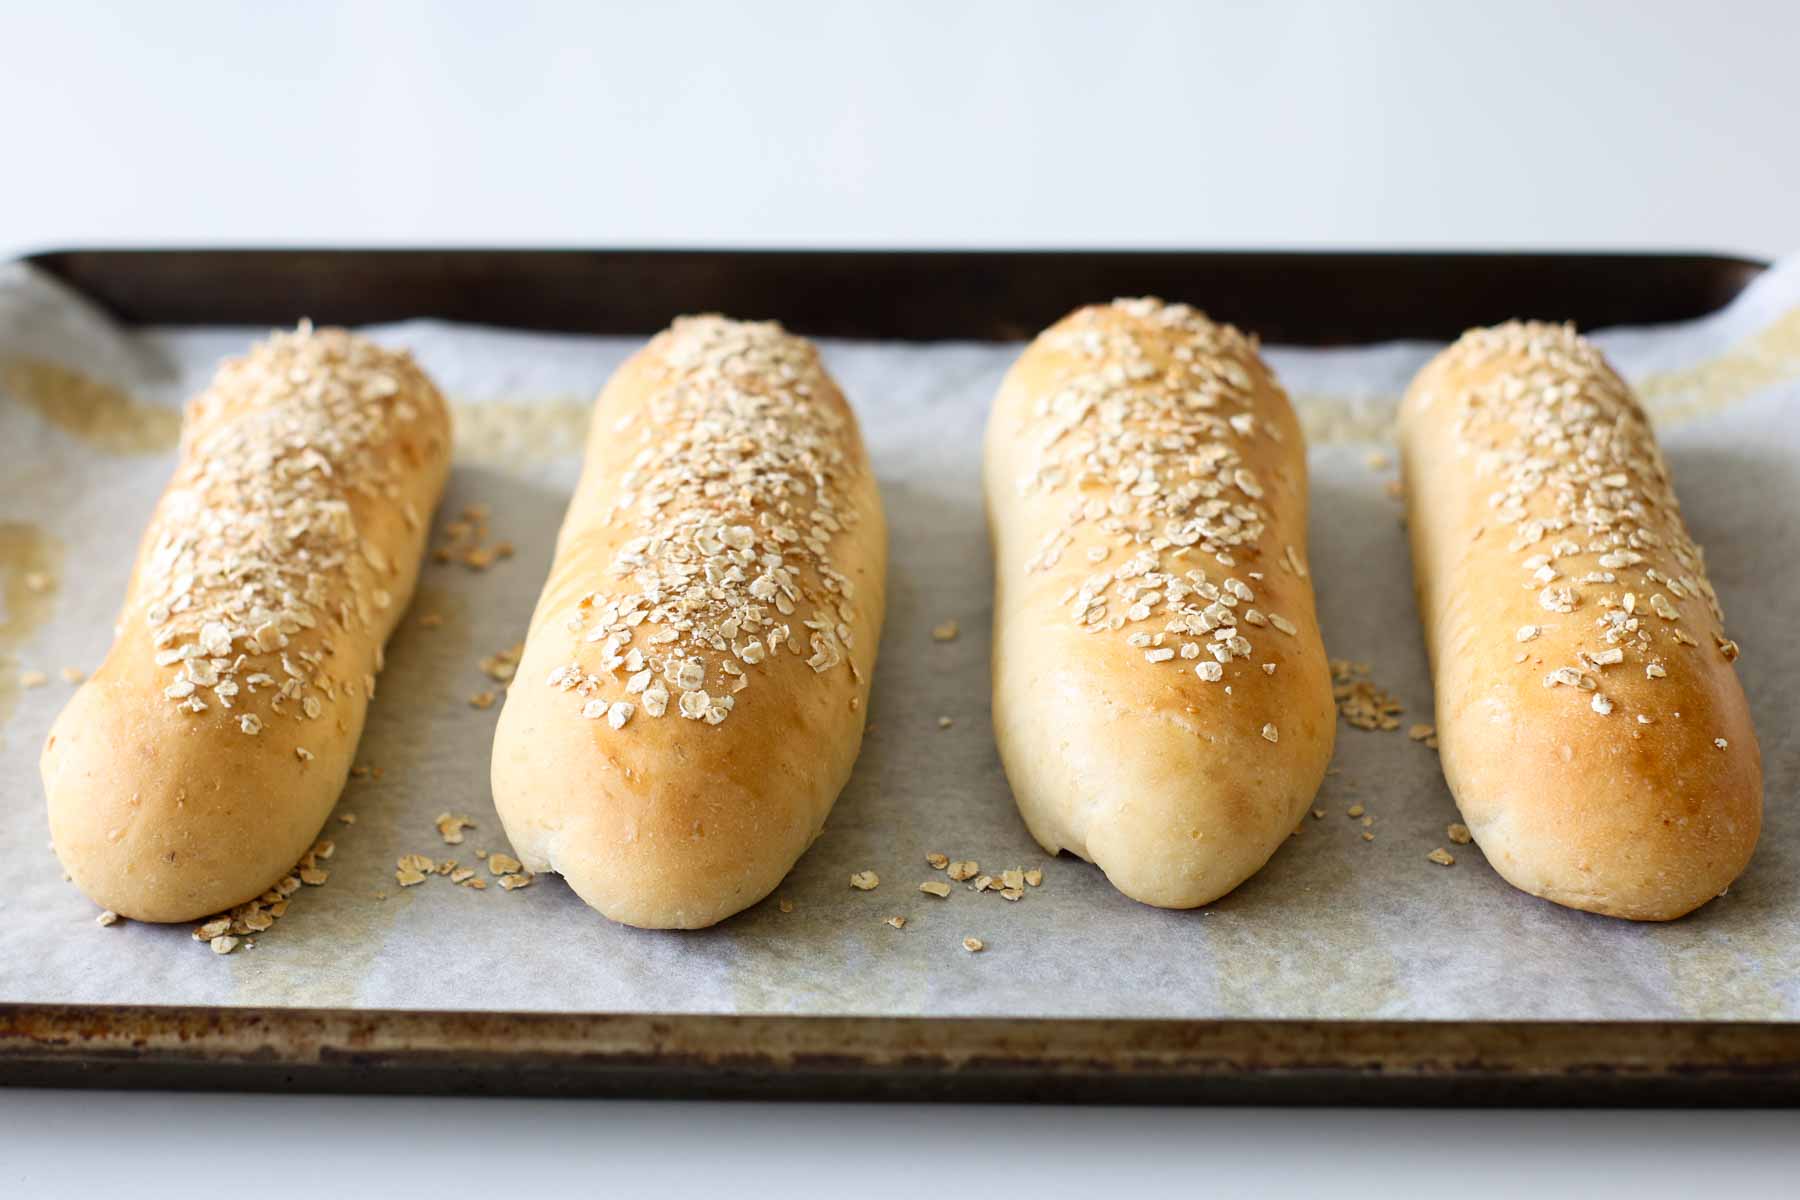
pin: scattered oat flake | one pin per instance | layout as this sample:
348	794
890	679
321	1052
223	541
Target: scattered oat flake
937	860
1721	743
974	945
1459	833
1034	877
1367	836
482	700
932	887
945	631
504	864
347	818
514	882
1270	733
73	674
865	881
982	883
314	876
224	944
960	871
1011	893
1318	814
784	904
37	581
450	827
462	874
430	620
1014	878
478	884
945	722
32	679
1442	857
109	917
1419	733
897	921
1355	810
212	929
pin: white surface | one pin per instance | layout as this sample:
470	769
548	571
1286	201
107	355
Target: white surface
1534	122
1529	123
151	1147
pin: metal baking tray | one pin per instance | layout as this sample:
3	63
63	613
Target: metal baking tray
1296	298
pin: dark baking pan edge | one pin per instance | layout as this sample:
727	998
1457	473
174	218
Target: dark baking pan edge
874	1058
1294	297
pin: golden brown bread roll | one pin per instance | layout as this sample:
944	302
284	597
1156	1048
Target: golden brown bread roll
693	688
199	762
1161	695
1591	725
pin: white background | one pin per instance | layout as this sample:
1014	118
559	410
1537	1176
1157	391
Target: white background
1527	123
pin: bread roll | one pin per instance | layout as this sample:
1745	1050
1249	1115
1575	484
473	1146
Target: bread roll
1161	695
694	683
198	763
1591	725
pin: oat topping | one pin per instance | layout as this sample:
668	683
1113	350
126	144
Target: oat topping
937	860
933	887
1584	499
466	542
501	665
1459	833
108	917
256	560
960	871
736	498
1360	701
974	945
1442	857
897	921
1270	733
450	827
865	881
503	864
1143	442
224	931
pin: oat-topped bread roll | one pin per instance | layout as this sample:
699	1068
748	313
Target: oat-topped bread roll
198	763
1161	696
1591	725
693	688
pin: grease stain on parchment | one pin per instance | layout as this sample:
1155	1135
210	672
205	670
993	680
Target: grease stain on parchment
99	414
1673	397
25	550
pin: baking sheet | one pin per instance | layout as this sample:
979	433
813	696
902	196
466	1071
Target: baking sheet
1335	927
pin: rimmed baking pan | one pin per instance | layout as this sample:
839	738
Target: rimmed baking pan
1294	298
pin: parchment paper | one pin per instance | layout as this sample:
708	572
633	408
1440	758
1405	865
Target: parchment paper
1334	927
